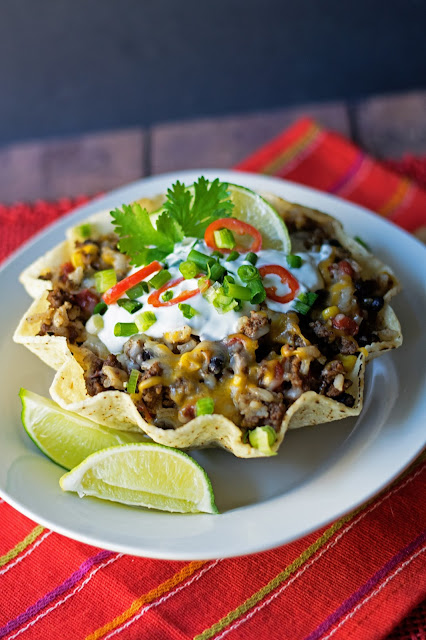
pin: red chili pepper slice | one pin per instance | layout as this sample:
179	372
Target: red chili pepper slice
286	278
113	294
154	298
237	226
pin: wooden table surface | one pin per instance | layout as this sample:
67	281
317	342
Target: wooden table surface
385	126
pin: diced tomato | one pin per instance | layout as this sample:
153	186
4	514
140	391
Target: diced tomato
345	324
286	278
113	294
87	300
155	300
345	267
236	226
66	268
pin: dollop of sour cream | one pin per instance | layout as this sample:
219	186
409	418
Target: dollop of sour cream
209	323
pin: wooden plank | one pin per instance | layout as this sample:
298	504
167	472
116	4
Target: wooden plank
86	164
93	163
21	176
222	142
389	126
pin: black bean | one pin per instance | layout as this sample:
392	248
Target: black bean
365	288
374	303
146	355
216	365
346	399
334	243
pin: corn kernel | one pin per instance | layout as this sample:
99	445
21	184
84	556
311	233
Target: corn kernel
90	248
77	259
347	361
330	312
364	351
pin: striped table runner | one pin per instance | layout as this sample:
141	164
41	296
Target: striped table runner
357	578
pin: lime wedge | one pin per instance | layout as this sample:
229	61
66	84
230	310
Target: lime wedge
252	208
65	437
146	475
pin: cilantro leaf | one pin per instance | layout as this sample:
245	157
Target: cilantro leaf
194	209
139	239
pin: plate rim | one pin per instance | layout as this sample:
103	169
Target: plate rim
247	178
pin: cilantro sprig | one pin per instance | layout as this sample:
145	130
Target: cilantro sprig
187	212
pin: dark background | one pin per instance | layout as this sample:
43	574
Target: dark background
69	66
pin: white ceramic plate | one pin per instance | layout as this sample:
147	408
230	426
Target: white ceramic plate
319	474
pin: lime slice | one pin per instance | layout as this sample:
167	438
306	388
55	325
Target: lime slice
146	475
65	437
252	208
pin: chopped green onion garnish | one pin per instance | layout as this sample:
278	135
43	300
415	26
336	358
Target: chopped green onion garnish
137	291
248	272
160	279
84	230
216	272
145	320
224	239
100	308
203	284
201	260
263	438
362	243
104	280
167	295
237	291
204	406
125	329
293	261
232	256
228	279
252	257
94	324
217	254
133	381
304	302
130	305
188	269
258	293
187	311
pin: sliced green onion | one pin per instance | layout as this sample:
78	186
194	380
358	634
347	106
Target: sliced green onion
104	280
145	320
203	284
100	308
188	269
130	305
362	243
167	295
224	239
304	302
252	257
228	279
293	261
258	293
204	406
84	230
160	279
216	272
137	291
201	260
187	311
125	329
217	254
263	438
237	291
133	381
248	272
94	324
232	256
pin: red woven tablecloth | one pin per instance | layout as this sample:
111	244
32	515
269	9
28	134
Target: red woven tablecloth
357	578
